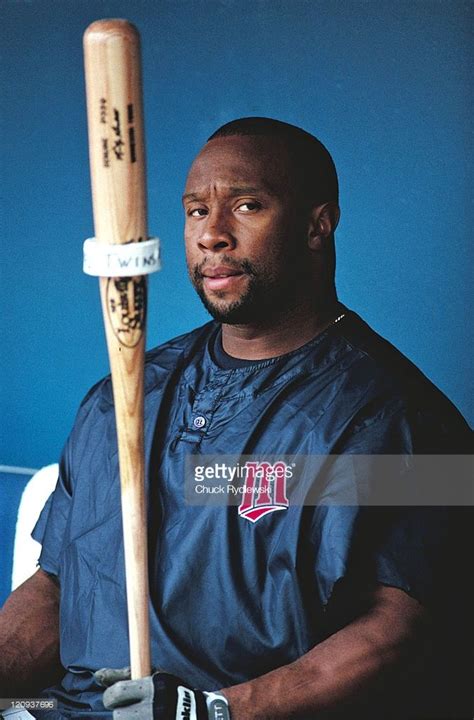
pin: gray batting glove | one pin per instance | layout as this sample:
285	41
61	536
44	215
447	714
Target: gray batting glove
160	696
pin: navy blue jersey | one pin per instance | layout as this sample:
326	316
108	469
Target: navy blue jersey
232	597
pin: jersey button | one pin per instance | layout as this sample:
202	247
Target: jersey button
199	422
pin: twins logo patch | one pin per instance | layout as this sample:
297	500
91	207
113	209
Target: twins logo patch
264	489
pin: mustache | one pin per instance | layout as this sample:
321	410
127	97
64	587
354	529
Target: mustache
243	266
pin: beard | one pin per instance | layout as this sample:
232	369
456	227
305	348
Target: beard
265	295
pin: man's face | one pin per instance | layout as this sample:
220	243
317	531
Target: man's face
245	239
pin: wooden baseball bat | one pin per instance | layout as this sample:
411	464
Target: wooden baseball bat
117	161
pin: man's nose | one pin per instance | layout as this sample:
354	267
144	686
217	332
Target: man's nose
216	234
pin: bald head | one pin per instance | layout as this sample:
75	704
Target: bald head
310	167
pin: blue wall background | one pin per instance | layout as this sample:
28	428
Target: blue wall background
385	85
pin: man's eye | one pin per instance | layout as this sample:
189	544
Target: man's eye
249	206
197	212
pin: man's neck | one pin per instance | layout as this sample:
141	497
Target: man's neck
283	335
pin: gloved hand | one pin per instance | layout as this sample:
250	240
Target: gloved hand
160	696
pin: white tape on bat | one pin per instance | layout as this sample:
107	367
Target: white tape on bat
127	260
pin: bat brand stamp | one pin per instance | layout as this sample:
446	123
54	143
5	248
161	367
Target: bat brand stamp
126	307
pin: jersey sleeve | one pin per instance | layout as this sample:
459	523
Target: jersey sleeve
360	543
51	529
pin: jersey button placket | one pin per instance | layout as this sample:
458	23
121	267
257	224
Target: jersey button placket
203	410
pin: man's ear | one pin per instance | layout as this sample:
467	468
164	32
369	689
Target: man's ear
323	222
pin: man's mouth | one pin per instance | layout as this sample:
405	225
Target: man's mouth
221	277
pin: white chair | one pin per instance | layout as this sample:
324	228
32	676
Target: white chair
26	550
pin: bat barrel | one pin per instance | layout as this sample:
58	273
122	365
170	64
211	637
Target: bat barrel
116	135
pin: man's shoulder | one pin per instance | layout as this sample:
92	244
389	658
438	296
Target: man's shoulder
384	362
181	346
164	358
385	372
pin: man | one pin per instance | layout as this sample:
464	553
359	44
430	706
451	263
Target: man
322	607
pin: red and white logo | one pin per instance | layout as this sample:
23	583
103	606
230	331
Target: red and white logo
264	490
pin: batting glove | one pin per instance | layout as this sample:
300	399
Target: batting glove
160	696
